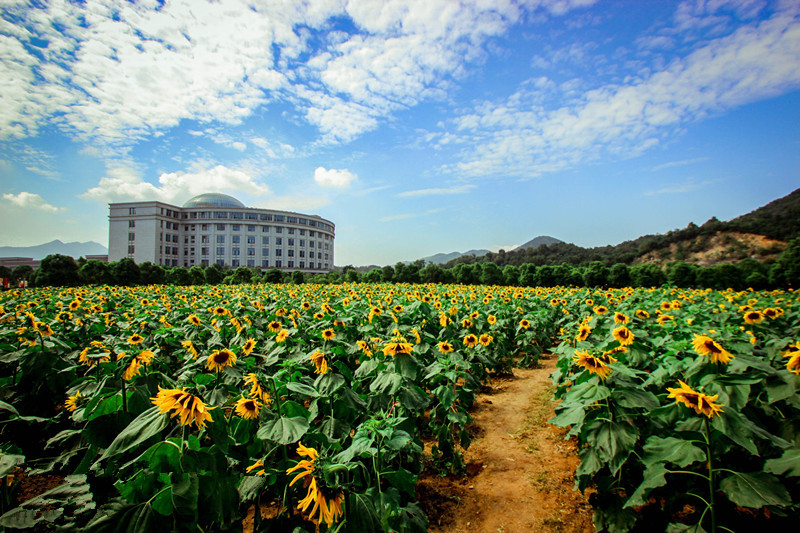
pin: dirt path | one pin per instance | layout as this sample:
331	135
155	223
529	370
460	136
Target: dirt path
521	469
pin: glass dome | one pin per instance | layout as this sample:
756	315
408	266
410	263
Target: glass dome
213	199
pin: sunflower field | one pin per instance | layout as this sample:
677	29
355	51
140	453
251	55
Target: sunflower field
316	407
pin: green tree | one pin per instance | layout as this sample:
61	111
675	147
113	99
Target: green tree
648	275
21	272
596	275
214	274
5	272
789	261
491	274
150	274
273	275
619	275
352	276
388	273
374	276
432	274
527	275
299	278
197	275
511	275
178	276
57	270
682	274
125	272
95	272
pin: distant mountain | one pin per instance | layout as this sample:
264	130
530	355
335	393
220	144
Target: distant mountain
538	241
441	258
74	249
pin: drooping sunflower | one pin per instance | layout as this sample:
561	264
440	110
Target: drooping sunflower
701	403
135	339
793	353
583	332
491	319
72	401
254	466
641	314
248	407
600	310
195	320
320	364
623	335
142	359
594	364
364	347
663	319
189	347
282	335
772	313
188	407
397	346
327	502
466	323
706	346
255	389
219	359
274	326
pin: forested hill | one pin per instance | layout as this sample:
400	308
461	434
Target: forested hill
760	234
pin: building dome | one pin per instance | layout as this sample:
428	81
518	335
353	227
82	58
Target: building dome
213	199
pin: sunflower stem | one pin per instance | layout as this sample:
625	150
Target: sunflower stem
124	397
710	478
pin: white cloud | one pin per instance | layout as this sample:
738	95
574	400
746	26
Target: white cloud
123	184
680	163
28	200
689	185
458	189
522	137
119	72
336	178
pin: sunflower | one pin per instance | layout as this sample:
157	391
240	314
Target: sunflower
753	317
705	345
594	364
666	306
524	323
248	346
274	326
445	347
255	389
194	319
325	499
470	341
220	311
143	359
135	339
282	335
219	359
701	403
364	347
189	407
793	353
74	304
621	318
491	319
319	315
72	401
189	347
583	332
257	464
663	319
600	310
623	335
320	364
485	339
247	407
93	359
641	314
397	346
466	323
328	334
64	316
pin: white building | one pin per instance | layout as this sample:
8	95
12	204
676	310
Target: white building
218	229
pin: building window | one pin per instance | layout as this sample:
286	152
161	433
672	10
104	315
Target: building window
290	264
235	263
130	249
236	239
290	253
204	227
291	231
235	251
278	264
265	263
302	242
220	227
251	240
310	244
220	251
302	264
131	210
264	229
265	251
291	242
278	241
264	240
279	252
221	262
251	216
220	214
237	216
278	229
265	217
251	251
251	262
220	239
278	218
302	253
251	228
203	251
204	238
311	255
131	236
293	220
236	227
131	223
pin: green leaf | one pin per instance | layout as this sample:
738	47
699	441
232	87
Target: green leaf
588	392
568	415
283	430
250	487
8	407
362	512
403	480
755	490
162	504
184	497
787	464
302	388
635	398
329	383
654	477
671	450
387	383
613	441
141	428
112	404
779	388
9	462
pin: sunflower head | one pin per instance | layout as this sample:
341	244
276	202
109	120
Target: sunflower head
219	359
248	407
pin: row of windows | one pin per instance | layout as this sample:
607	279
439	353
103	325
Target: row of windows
253	216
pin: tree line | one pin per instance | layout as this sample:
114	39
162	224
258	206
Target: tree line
60	270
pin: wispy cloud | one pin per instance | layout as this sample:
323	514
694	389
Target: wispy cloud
688	186
404	216
680	163
27	200
436	191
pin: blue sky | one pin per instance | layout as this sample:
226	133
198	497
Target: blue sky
417	127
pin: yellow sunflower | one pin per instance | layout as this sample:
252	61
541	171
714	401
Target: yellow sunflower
705	345
594	364
470	341
194	319
248	346
445	347
793	353
72	401
189	347
327	502
485	339
621	318
600	310
135	339
524	323
623	335
397	346
320	364
188	407
219	359
328	334
753	317
701	403
248	407
282	335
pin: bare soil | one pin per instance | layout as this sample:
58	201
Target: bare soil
519	468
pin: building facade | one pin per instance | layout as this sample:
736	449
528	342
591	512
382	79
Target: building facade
218	229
